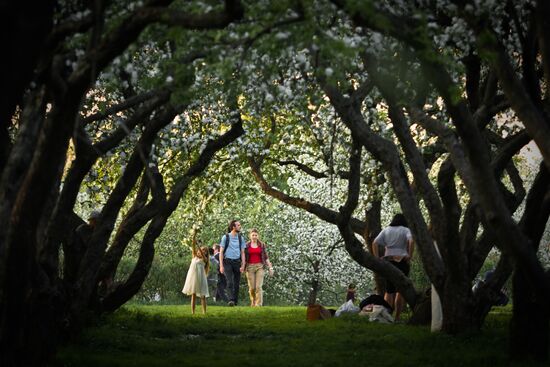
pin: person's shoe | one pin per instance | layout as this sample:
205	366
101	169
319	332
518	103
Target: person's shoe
231	303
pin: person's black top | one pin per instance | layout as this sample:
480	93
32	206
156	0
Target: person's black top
375	299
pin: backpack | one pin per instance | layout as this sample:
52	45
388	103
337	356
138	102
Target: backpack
241	240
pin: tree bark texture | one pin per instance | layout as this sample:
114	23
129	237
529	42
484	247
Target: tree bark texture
38	298
470	155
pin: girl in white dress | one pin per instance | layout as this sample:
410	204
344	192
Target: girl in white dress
196	283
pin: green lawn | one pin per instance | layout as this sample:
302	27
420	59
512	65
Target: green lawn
274	336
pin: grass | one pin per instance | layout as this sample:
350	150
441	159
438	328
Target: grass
274	336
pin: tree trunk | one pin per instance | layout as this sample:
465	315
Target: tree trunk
488	293
24	283
373	227
132	285
315	286
529	327
456	304
25	27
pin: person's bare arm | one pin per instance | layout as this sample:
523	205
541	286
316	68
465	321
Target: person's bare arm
375	248
222	270
194	243
243	261
410	248
269	267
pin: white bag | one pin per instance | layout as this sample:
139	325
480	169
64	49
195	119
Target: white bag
347	307
437	312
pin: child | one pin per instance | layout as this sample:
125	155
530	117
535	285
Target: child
351	293
196	283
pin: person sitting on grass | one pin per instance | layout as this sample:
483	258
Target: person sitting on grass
196	283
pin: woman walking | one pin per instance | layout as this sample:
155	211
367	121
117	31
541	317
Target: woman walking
256	261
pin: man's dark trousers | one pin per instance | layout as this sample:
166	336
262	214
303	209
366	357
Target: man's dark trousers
220	288
233	276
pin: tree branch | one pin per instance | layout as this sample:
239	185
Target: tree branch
126	290
323	213
126	104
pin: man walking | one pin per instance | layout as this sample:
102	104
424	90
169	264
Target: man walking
232	259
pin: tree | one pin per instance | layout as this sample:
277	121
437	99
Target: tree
443	89
311	257
469	117
56	120
422	105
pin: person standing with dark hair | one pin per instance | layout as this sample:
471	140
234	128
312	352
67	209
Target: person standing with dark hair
398	250
232	259
350	293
